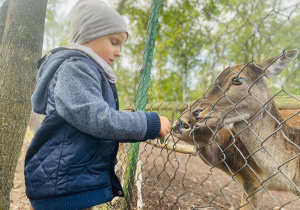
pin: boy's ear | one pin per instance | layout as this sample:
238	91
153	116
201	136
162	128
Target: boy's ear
277	64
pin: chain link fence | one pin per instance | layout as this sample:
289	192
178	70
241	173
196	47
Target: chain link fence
229	148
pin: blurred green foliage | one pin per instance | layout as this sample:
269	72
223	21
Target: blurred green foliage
196	40
56	26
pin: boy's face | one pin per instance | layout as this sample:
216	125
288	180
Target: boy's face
108	47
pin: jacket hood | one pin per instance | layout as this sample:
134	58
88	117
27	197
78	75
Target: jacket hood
51	63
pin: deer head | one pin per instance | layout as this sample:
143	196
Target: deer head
241	92
185	127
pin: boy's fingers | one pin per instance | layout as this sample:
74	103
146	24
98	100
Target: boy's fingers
165	126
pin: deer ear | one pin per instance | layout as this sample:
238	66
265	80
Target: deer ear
277	64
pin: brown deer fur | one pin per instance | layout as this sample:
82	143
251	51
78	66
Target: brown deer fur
241	97
213	142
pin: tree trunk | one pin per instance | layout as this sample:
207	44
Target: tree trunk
3	13
19	51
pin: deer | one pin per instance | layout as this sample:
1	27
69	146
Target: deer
241	97
219	147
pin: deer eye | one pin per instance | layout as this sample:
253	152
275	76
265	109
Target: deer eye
237	80
186	126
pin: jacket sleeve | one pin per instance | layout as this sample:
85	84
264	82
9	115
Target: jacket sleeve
78	99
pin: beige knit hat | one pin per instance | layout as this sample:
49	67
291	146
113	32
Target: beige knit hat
90	19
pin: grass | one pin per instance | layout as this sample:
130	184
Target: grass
29	134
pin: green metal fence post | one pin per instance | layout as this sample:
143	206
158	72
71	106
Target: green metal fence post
141	100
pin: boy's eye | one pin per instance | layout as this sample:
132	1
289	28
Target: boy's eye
113	43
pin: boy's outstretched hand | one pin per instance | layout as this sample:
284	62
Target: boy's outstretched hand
165	126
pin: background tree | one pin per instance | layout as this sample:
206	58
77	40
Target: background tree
198	39
56	26
20	49
178	46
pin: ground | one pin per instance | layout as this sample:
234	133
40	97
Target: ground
173	182
184	182
18	199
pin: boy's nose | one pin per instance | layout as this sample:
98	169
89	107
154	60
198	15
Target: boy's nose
118	53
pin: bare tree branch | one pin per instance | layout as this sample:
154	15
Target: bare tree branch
185	149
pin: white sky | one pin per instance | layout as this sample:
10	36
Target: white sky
68	4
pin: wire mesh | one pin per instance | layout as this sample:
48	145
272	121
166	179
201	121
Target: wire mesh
248	158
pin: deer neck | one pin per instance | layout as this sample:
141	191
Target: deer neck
263	124
266	130
211	153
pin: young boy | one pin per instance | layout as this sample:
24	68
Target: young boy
70	162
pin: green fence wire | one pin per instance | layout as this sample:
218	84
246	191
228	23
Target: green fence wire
141	100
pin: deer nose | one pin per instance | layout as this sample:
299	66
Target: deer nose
196	113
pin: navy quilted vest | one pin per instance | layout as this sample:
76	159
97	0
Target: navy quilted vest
68	169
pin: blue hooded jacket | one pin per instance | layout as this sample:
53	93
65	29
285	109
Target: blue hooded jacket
70	161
